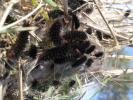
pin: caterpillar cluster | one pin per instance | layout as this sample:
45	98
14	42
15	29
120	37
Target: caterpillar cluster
72	46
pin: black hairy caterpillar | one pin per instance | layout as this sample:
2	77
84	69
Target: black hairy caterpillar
75	36
81	45
71	83
90	49
17	49
89	10
79	61
105	36
73	4
69	56
75	21
20	43
56	82
55	14
89	62
10	19
61	54
89	30
127	13
32	51
101	35
54	33
55	52
58	13
98	54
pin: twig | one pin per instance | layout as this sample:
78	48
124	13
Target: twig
19	29
80	7
102	30
122	57
115	39
22	19
20	80
88	17
121	80
103	84
65	2
7	11
116	72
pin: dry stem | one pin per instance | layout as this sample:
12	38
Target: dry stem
20	80
115	39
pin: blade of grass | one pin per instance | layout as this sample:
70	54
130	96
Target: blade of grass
51	3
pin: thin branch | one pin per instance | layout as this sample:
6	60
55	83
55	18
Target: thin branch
20	80
115	39
102	30
7	11
88	17
80	7
121	57
22	19
65	2
116	72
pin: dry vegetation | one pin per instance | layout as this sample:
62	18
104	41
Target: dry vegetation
43	53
